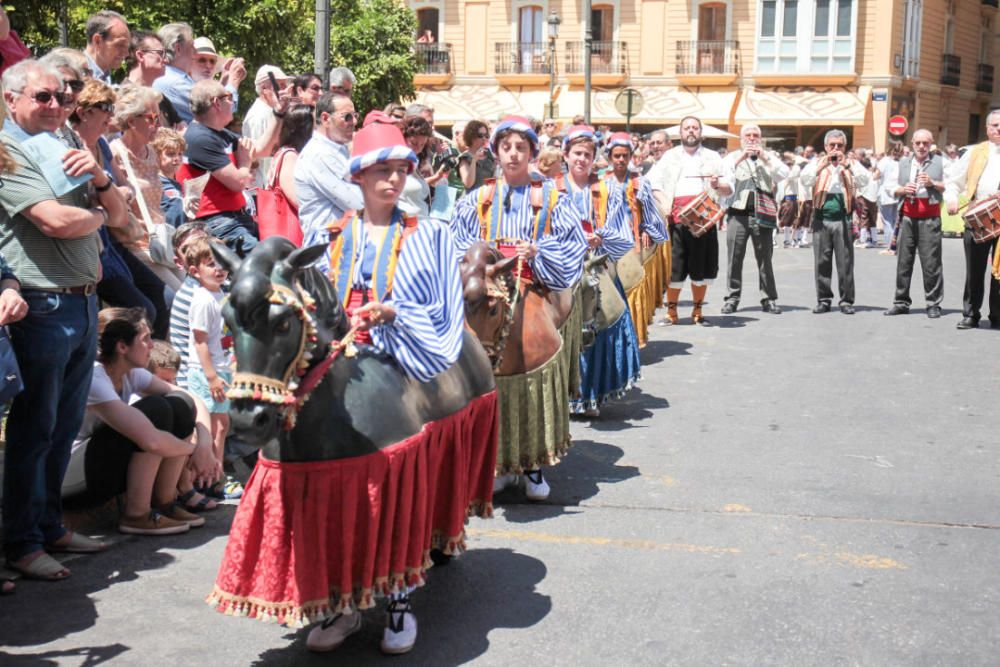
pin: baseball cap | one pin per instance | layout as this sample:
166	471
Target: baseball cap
262	74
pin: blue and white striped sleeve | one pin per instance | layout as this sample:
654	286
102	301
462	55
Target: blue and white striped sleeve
616	235
652	221
559	262
426	336
465	227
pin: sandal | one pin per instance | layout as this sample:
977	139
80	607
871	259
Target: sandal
77	544
202	505
42	567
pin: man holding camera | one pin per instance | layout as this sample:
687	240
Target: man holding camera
752	216
835	181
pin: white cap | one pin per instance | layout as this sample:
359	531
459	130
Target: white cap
262	74
205	45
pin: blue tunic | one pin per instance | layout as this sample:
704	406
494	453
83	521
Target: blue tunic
618	208
616	240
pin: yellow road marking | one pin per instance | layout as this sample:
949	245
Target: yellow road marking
647	545
862	561
735	507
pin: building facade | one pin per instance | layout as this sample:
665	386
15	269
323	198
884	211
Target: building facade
794	67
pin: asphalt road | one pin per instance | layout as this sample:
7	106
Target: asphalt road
783	490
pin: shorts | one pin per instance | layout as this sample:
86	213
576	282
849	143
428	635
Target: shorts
198	385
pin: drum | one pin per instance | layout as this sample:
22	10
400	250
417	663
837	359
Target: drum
983	219
629	269
700	214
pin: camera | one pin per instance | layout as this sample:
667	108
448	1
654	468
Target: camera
449	162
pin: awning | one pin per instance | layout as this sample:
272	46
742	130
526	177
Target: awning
662	105
804	105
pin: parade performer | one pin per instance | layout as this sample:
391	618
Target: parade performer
835	181
788	199
631	196
530	219
919	181
610	366
684	173
977	175
396	443
752	173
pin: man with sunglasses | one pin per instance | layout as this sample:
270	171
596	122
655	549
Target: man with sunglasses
146	58
835	180
107	43
49	235
322	171
211	148
260	115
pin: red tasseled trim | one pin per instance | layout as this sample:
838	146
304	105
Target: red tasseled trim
356	300
310	539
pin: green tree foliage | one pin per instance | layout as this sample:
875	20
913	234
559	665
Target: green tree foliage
372	37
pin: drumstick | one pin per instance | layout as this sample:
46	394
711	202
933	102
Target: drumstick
703	176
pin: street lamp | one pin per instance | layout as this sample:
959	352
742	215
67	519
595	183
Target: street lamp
553	22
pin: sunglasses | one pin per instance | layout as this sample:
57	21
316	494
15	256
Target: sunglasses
316	87
483	135
350	116
106	107
76	85
45	96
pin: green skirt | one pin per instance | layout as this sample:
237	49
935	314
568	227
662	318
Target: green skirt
533	408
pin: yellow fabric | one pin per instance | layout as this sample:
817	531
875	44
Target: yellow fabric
977	165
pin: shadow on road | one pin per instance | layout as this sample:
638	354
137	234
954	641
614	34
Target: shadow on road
573	481
621	415
461	604
85	655
731	321
34	623
657	350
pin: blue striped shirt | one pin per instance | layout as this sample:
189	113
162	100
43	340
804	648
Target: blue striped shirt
559	261
652	221
615	240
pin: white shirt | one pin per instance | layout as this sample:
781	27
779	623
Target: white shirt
836	184
989	182
206	315
690	183
102	390
889	169
256	121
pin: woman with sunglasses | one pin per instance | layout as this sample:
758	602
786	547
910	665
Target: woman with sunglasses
308	88
476	164
125	280
137	114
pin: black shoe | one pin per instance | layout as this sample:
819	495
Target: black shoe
933	312
847	309
769	306
822	307
900	310
729	307
995	322
968	323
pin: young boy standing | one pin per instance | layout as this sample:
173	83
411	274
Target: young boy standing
210	370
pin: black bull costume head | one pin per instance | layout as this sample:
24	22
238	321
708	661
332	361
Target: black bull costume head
296	394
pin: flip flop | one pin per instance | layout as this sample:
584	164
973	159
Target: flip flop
78	544
42	567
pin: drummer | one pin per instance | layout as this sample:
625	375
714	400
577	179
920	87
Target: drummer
919	184
976	175
630	196
610	366
553	254
684	173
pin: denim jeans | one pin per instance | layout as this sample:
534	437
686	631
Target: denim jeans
142	289
56	345
232	228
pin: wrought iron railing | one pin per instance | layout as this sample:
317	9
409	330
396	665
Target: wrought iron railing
951	69
433	58
522	58
984	78
605	58
707	57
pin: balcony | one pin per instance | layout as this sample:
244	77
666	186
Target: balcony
951	69
608	62
433	64
707	62
522	63
984	78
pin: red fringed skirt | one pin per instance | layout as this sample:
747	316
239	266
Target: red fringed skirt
312	539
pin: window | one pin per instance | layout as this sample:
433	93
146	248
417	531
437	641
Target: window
949	34
912	22
530	24
711	22
533	40
814	36
427	19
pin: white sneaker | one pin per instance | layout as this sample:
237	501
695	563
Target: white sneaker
332	632
400	628
535	486
501	482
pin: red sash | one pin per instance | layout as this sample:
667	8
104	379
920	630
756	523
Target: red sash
679	203
510	250
915	207
358	298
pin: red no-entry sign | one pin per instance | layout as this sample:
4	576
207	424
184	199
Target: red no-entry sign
898	125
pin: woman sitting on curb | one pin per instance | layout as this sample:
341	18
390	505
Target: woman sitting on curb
141	448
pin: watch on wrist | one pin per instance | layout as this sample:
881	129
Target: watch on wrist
278	114
105	187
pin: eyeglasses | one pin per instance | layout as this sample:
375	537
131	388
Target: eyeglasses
206	61
225	96
836	144
151	118
106	107
316	87
341	89
155	52
43	97
76	85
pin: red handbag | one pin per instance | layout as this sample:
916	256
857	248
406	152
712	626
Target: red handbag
275	215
